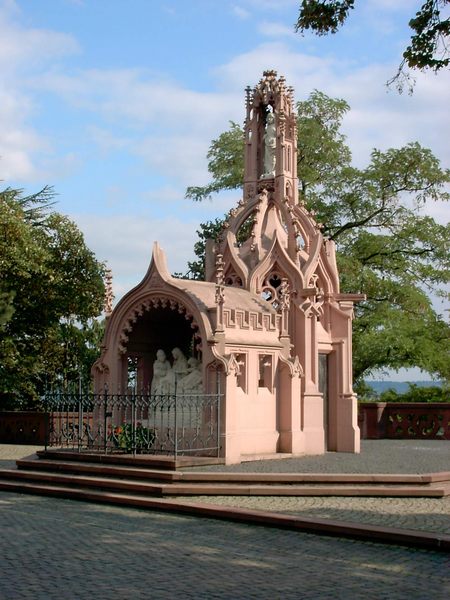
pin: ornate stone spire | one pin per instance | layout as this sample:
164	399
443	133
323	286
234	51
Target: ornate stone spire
271	138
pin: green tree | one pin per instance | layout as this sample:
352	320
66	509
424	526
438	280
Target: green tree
225	163
387	248
51	287
428	48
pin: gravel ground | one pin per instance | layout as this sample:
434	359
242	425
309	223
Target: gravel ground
377	456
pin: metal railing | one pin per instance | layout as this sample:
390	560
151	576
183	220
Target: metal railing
134	423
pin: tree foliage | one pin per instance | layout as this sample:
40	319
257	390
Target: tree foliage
225	163
51	286
323	16
427	49
415	393
387	248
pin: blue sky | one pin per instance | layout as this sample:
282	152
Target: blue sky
115	104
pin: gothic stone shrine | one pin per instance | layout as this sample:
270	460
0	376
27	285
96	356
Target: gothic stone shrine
268	328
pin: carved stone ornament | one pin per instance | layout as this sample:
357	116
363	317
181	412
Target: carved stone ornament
234	365
101	367
109	294
285	294
294	366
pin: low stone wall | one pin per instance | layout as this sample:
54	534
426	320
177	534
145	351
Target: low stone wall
404	420
377	420
22	427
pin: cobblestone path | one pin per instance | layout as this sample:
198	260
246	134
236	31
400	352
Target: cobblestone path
54	549
421	514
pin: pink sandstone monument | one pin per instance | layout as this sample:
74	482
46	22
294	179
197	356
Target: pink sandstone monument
268	328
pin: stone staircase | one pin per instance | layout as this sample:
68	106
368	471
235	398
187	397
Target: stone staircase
123	479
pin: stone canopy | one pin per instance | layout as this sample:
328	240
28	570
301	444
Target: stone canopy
269	325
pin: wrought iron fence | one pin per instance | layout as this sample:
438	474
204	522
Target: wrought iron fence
134	423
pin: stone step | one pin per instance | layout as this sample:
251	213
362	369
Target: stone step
119	471
240	488
330	527
80	481
146	473
164	462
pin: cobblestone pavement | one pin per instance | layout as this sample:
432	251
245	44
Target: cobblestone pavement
377	456
54	549
421	514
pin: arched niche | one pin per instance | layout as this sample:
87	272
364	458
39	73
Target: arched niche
161	326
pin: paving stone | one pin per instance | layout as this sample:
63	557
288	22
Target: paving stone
54	548
421	514
59	549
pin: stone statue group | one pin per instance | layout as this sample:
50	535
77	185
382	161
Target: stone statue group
183	376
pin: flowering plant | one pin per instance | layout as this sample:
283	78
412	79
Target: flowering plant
128	438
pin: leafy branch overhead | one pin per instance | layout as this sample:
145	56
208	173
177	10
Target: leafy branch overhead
387	248
428	47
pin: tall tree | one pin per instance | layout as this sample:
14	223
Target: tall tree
50	282
387	248
428	48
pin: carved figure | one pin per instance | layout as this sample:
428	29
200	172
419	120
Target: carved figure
193	382
161	369
179	369
269	146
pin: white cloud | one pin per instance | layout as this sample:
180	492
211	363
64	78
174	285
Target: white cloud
245	69
240	12
23	50
21	47
137	96
378	118
126	242
275	5
391	7
272	29
177	123
181	158
164	194
107	140
17	141
385	119
170	126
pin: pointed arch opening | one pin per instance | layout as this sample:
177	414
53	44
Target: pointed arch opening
157	329
244	233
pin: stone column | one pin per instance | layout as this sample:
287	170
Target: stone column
289	391
229	434
312	409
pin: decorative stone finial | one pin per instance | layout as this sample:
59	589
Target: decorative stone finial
109	294
220	294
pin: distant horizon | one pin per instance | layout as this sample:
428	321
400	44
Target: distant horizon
388	379
401	386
